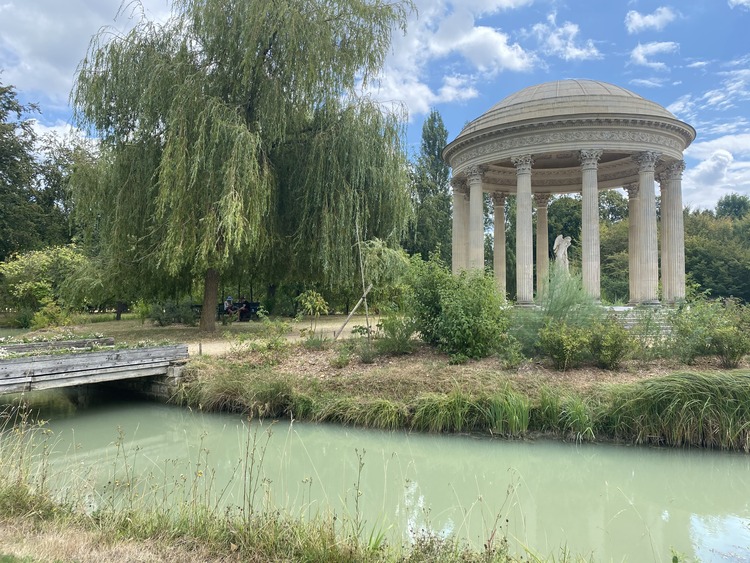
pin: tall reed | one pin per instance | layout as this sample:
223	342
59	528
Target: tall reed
688	408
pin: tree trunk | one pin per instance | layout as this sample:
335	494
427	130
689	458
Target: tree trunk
208	309
121	307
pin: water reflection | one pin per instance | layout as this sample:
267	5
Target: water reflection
612	502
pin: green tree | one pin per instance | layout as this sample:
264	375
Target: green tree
20	216
734	206
232	134
431	225
717	256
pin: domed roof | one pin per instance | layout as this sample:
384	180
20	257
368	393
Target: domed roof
566	98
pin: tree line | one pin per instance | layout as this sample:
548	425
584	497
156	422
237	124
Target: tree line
235	153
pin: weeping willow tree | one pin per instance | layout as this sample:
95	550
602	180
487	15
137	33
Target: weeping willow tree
233	130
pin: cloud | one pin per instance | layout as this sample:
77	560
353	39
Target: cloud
487	49
636	22
735	88
643	52
649	82
560	41
719	174
42	42
445	52
741	3
735	145
482	7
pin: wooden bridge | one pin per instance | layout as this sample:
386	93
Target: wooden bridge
30	373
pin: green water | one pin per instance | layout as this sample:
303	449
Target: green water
614	503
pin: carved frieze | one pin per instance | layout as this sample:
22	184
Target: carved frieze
563	136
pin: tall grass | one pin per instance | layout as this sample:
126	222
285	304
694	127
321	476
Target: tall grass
689	408
685	408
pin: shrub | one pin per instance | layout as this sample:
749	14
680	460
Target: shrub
566	345
651	333
730	344
692	325
610	343
396	332
51	314
172	312
428	281
312	304
510	352
342	359
563	301
463	315
314	341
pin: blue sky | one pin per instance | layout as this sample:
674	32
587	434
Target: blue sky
463	56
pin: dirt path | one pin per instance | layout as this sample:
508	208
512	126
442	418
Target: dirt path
325	326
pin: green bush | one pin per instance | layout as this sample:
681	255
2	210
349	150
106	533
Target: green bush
510	352
427	282
730	344
22	318
567	346
395	336
692	325
172	312
462	315
563	301
50	314
610	343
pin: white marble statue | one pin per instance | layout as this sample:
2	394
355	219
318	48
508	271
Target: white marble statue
561	253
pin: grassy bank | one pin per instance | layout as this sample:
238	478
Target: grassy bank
424	392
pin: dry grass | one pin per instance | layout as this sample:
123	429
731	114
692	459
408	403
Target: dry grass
56	543
426	370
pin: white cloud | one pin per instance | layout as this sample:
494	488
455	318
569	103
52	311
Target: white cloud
735	145
42	42
560	41
649	82
741	3
642	54
718	174
481	7
445	52
636	22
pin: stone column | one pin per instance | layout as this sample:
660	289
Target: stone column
648	248
542	243
524	231
633	244
498	203
460	224
664	264
590	246
476	219
673	233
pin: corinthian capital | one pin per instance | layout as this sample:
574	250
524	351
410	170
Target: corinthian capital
632	190
646	160
674	170
458	185
475	174
523	163
498	199
541	199
590	158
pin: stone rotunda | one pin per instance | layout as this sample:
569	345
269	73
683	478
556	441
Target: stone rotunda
573	136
